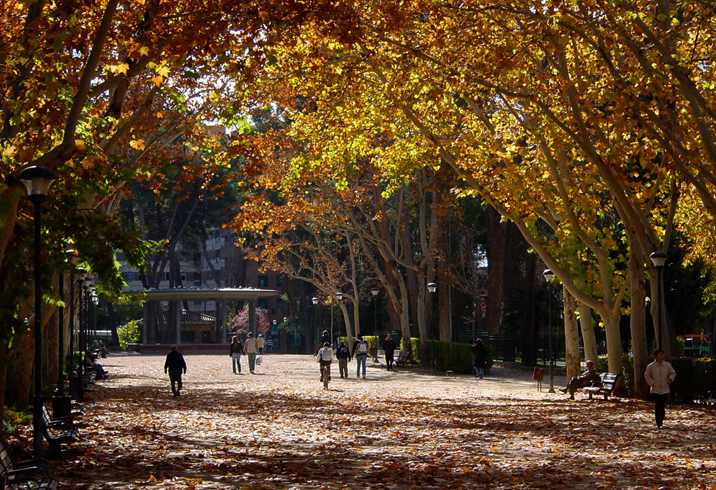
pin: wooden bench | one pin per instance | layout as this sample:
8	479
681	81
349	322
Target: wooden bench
605	386
402	357
58	431
25	474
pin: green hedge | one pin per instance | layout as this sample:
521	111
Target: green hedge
695	377
450	356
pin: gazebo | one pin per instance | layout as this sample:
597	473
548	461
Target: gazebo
177	296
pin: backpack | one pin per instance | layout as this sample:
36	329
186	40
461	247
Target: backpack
362	347
326	354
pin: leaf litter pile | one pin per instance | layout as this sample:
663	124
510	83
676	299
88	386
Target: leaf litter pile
279	429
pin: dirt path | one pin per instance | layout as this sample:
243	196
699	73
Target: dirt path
278	429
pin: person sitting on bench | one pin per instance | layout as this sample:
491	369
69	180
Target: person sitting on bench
91	364
585	379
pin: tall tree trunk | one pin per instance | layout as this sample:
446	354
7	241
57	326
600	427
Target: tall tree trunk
571	335
589	339
637	324
614	350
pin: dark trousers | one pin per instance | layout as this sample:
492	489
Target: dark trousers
389	357
327	364
659	408
175	378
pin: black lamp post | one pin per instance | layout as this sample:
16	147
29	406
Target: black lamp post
95	303
659	259
86	284
37	180
548	275
432	287
314	300
339	296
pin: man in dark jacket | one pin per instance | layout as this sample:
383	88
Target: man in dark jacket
344	355
175	365
588	377
389	349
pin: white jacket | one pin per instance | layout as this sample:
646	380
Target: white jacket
656	376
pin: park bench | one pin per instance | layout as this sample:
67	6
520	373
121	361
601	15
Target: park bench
402	357
605	386
24	474
58	431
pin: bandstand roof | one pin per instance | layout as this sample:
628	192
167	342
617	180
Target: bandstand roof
196	294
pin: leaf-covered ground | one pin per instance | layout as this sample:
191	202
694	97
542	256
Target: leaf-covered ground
279	429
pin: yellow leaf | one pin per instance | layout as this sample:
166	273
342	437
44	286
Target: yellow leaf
120	68
137	144
144	51
80	145
157	81
163	71
152	479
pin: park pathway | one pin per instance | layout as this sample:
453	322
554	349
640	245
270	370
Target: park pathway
278	429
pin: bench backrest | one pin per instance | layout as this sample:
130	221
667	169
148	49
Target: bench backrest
46	417
5	460
609	380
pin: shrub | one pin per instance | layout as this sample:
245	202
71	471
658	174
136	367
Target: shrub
128	334
13	418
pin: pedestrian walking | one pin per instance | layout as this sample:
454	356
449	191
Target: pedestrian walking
360	352
235	352
175	366
659	376
251	348
344	355
479	358
261	342
389	347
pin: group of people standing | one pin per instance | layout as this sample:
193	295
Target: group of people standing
359	352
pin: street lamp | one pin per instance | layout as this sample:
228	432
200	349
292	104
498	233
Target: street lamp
432	287
314	300
659	259
86	284
339	297
548	275
374	291
37	180
183	321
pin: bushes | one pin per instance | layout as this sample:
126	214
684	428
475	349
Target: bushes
128	334
695	377
450	356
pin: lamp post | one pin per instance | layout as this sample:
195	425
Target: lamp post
548	275
659	259
339	296
37	180
314	300
183	320
82	341
432	287
95	303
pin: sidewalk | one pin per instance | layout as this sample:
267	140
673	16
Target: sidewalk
403	430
